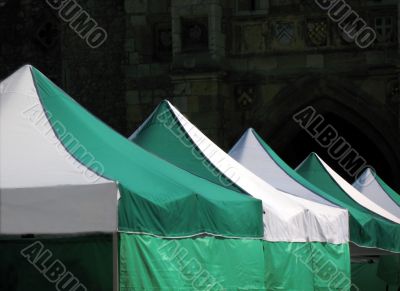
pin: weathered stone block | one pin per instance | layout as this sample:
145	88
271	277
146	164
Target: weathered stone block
132	97
130	45
205	88
315	61
143	70
134	58
138	20
181	103
135	6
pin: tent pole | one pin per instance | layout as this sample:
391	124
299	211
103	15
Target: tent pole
115	262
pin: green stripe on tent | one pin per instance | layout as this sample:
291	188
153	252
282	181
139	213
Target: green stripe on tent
163	136
156	197
367	229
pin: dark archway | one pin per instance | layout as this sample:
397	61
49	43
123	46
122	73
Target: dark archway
363	122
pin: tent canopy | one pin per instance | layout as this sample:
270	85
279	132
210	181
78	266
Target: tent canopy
372	186
43	188
47	139
377	228
167	133
253	153
299	235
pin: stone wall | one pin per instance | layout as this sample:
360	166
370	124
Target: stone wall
95	76
32	32
243	57
29	35
230	65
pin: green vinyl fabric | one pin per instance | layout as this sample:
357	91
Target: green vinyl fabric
156	197
309	266
190	263
88	258
185	264
367	228
162	135
366	277
160	199
389	269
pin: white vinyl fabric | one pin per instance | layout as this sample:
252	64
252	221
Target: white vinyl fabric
357	196
43	188
367	184
286	218
250	153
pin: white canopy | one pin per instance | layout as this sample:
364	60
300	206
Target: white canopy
44	190
368	184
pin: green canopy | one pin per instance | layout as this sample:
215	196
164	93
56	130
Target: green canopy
367	228
156	197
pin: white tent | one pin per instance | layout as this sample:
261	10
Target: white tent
48	197
44	190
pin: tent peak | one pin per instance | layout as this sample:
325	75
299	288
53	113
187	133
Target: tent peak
248	131
314	155
165	101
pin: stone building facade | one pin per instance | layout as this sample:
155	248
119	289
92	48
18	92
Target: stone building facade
227	65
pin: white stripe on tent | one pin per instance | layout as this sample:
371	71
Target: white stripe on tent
370	187
357	196
286	218
249	152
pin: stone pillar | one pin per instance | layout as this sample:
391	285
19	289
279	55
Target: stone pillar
398	26
198	54
398	53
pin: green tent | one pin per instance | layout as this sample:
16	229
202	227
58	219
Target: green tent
177	231
313	255
372	186
371	226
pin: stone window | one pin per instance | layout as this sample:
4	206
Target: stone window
385	28
194	34
163	41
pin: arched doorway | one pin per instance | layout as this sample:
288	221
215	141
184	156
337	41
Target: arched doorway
363	122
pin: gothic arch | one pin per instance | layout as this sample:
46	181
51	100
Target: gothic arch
341	101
